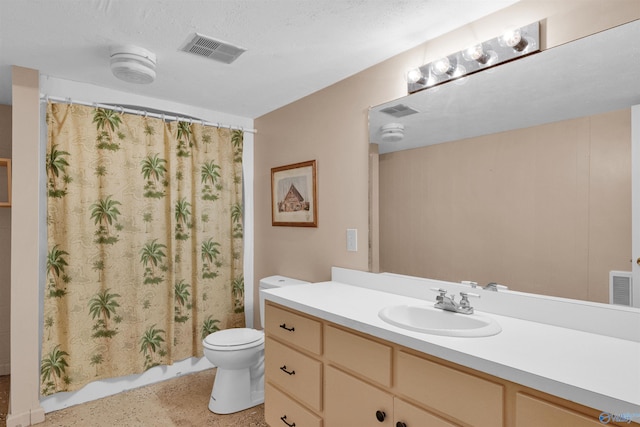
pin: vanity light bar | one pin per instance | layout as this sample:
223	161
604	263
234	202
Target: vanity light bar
511	45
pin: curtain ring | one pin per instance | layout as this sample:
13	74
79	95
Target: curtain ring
68	100
145	113
46	99
121	110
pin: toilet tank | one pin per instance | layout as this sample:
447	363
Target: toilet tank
275	282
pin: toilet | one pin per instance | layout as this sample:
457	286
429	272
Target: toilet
238	353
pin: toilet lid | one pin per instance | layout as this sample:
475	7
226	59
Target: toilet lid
234	337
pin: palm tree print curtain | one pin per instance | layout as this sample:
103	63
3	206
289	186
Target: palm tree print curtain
144	242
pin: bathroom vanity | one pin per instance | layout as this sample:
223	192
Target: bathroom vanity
331	361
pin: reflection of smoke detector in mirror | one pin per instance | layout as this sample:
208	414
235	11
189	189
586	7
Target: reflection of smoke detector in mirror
392	132
133	64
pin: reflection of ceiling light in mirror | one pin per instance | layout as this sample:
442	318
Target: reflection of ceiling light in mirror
392	132
458	72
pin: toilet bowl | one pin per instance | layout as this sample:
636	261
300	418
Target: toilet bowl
238	353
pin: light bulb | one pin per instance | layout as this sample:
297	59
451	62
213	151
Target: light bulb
442	66
514	40
476	53
414	76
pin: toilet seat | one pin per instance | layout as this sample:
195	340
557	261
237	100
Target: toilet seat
234	339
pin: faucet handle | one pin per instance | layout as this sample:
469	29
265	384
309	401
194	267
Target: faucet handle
442	292
464	302
464	295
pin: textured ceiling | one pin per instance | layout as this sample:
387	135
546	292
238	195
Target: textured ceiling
294	47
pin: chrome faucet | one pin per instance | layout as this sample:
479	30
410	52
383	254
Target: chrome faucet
493	286
448	303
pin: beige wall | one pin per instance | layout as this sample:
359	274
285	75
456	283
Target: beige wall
5	246
331	126
545	209
24	404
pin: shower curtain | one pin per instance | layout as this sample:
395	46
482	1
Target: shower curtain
144	242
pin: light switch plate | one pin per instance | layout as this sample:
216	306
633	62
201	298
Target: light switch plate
352	239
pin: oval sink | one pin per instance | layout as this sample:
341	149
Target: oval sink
439	322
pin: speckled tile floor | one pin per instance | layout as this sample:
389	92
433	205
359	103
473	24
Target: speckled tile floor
4	399
178	402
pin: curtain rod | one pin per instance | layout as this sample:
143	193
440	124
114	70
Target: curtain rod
47	98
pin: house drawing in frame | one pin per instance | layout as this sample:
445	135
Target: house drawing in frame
293	195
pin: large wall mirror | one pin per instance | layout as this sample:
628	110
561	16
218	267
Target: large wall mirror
520	174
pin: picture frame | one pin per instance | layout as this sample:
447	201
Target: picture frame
294	197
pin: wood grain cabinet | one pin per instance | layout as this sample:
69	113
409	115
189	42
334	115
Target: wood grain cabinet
534	412
353	402
319	374
293	369
461	396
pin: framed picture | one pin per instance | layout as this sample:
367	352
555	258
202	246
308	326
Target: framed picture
294	199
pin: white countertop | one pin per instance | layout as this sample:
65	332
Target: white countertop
594	370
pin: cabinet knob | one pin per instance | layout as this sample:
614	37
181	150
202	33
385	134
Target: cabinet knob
401	424
380	416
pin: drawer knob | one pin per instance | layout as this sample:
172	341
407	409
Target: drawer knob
284	420
284	369
401	424
284	326
380	416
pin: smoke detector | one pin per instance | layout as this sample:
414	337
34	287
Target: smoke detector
133	64
392	132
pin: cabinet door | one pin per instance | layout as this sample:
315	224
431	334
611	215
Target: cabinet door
352	402
464	397
368	358
282	411
294	372
293	328
407	415
533	412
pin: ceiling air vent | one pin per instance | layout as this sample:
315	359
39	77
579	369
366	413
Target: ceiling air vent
399	110
213	49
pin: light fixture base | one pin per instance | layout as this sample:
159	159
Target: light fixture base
519	42
133	64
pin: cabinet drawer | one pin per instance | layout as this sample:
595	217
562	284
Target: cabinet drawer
465	397
352	402
412	416
293	328
366	357
294	372
533	412
280	410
